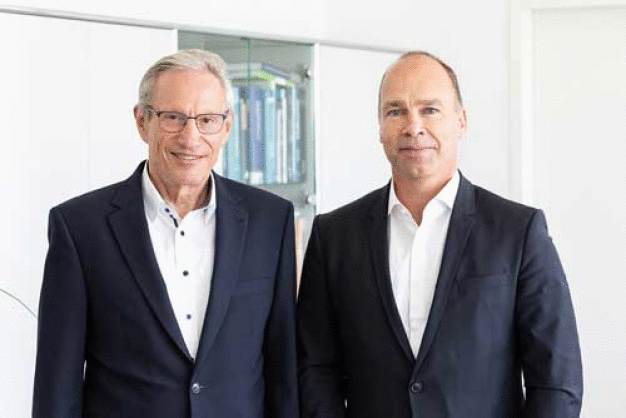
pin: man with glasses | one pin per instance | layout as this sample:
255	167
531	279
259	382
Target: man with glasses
431	297
172	293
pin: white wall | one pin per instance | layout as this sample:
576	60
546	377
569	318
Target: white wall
350	159
579	153
67	96
471	36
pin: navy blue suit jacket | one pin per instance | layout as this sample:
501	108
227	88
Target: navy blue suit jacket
104	302
501	308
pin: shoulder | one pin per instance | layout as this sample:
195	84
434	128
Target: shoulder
90	202
504	215
487	201
254	198
371	204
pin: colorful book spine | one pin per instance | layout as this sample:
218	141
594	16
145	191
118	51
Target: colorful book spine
233	149
244	133
282	113
269	136
294	173
256	154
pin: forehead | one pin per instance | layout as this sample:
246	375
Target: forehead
417	78
188	88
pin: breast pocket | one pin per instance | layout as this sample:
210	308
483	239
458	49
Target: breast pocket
470	283
255	285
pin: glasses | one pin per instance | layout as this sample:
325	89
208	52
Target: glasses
174	122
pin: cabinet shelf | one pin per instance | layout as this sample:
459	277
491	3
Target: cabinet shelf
271	145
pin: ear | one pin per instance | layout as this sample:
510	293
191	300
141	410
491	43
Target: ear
228	123
462	122
140	122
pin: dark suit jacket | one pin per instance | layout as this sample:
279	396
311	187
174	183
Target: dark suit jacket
501	307
104	301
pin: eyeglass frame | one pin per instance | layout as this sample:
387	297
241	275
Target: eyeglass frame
158	113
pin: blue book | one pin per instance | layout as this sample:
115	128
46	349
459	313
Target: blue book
281	134
233	149
269	136
256	154
294	146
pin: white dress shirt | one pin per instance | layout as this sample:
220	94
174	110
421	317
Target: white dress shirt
184	250
415	253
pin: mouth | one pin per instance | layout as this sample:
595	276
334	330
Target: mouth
186	157
417	148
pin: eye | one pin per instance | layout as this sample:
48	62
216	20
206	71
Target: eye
207	119
430	110
393	112
170	116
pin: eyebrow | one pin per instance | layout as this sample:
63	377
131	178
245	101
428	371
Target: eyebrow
429	102
422	102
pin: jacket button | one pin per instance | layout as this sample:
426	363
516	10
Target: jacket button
416	387
195	388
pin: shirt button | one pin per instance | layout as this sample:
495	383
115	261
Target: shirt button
185	273
195	388
182	233
416	387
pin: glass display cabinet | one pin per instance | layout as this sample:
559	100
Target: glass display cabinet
271	145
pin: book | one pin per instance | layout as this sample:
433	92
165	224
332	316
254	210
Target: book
294	146
232	150
282	112
256	153
244	134
269	136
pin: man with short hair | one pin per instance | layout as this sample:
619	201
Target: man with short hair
171	294
432	297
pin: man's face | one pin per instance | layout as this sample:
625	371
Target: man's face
421	121
183	159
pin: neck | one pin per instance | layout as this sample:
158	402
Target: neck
183	198
415	193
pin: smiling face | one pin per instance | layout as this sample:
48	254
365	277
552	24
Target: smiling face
183	159
421	121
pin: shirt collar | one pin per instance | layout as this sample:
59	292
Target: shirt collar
155	204
446	195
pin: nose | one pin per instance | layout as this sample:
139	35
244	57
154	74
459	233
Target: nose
414	124
190	132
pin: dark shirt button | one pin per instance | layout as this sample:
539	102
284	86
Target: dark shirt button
167	210
185	273
195	388
416	387
182	233
188	316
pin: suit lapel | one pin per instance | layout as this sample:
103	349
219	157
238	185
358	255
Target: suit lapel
230	237
461	223
130	229
376	227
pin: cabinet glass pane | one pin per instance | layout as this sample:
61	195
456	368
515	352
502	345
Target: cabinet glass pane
272	142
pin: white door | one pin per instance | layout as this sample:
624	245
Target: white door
66	126
579	178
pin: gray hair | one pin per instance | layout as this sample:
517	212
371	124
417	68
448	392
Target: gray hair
446	67
186	59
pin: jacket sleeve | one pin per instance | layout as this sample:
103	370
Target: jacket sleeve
546	330
61	329
319	357
279	345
